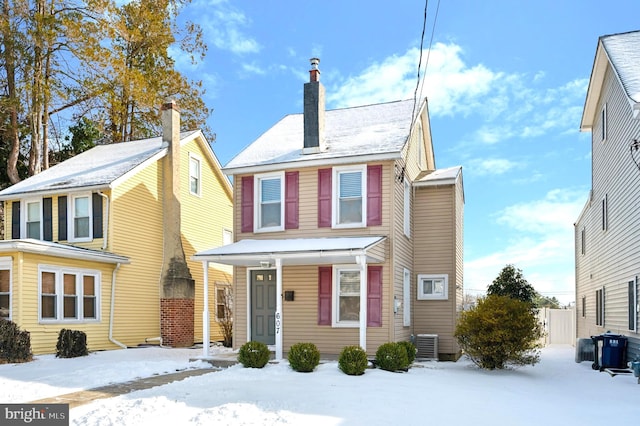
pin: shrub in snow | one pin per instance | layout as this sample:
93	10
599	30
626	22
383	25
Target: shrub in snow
500	332
254	354
392	356
412	351
353	360
71	344
15	344
304	357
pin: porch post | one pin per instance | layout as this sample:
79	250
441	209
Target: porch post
205	311
278	308
362	261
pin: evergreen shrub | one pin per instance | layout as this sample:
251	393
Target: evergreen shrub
353	360
254	354
392	356
412	351
304	357
15	344
71	344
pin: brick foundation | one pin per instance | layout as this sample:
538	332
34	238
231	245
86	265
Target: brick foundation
176	322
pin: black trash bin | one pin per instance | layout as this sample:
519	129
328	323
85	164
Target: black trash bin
611	353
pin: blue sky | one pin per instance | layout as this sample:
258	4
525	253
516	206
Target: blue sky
506	82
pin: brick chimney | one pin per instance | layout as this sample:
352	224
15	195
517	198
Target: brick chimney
313	111
178	287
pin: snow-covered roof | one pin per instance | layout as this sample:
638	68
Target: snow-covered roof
97	167
440	177
293	251
372	130
623	51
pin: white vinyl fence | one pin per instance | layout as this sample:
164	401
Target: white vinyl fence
559	326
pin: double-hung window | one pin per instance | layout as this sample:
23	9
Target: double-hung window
600	306
81	217
194	175
349	204
270	195
347	296
33	219
5	288
433	287
69	294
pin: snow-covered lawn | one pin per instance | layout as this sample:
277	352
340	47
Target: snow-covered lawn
557	391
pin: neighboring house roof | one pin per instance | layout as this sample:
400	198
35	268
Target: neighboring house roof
622	52
60	250
99	167
293	251
376	131
447	176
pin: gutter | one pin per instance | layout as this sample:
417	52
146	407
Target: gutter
113	302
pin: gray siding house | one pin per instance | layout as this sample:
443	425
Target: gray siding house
607	232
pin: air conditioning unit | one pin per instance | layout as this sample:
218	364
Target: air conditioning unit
585	350
427	345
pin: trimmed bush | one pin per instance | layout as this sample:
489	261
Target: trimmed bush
392	356
254	354
353	360
412	351
71	344
500	332
15	344
304	357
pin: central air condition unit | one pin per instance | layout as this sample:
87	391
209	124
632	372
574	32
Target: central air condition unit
585	350
427	345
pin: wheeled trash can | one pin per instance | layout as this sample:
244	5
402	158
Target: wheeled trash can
610	351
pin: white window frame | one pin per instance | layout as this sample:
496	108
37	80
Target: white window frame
7	264
71	223
227	236
603	117
258	202
227	289
605	212
24	219
632	304
406	298
433	296
59	273
600	307
335	199
583	241
407	208
198	178
335	299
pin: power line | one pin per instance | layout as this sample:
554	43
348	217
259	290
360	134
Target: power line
433	30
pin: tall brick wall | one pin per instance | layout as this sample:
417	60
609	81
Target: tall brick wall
176	322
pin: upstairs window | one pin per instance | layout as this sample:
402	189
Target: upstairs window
33	219
605	213
194	175
81	217
433	287
600	307
350	188
269	214
603	117
583	243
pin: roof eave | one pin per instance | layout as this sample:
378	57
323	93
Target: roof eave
66	190
60	250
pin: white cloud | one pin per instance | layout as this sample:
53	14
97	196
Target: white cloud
490	166
223	27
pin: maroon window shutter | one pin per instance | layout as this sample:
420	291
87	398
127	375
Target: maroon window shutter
374	195
324	198
325	274
246	209
374	296
291	200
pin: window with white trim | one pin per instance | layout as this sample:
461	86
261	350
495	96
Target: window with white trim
605	212
349	201
80	220
5	288
603	118
223	302
407	208
33	219
406	298
433	287
69	294
270	201
632	305
600	306
583	242
194	175
346	297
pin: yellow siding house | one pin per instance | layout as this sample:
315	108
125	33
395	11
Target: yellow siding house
103	243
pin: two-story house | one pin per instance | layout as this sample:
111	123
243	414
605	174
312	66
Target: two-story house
102	242
607	237
346	234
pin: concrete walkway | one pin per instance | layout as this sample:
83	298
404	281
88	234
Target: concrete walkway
76	399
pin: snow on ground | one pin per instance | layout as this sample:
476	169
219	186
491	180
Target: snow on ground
557	391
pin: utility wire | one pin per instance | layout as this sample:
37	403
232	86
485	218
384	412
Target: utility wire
433	30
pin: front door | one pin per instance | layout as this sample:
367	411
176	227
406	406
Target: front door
263	306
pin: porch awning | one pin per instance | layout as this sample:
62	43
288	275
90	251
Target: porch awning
297	251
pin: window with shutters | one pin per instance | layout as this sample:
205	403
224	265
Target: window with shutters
32	219
350	189
68	295
346	296
80	225
5	288
433	287
269	214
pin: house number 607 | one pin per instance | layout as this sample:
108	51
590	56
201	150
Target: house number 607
277	322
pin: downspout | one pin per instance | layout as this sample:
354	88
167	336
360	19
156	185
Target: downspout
113	302
106	225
